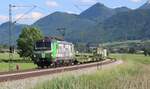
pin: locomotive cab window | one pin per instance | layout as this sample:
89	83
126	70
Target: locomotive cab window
43	45
39	44
47	44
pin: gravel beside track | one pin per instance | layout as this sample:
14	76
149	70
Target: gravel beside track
31	81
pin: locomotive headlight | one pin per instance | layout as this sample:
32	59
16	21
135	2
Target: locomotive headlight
34	55
43	55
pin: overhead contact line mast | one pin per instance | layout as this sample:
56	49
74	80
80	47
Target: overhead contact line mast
11	23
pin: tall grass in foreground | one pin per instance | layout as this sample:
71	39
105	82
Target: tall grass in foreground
133	74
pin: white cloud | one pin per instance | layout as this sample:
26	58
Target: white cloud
18	16
36	15
71	12
33	16
52	3
136	1
88	1
3	18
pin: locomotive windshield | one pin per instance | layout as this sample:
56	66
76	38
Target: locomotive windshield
43	45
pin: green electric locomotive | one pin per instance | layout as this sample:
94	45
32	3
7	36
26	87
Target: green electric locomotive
53	52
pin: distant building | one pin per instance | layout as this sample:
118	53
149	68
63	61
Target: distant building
102	51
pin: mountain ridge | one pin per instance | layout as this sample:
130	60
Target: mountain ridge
96	24
145	6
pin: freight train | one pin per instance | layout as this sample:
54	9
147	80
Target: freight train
51	51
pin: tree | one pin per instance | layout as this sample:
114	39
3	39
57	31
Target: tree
132	50
26	41
146	51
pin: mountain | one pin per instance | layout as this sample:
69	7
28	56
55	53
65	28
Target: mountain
122	9
50	23
96	24
97	12
78	27
132	25
4	32
145	6
71	22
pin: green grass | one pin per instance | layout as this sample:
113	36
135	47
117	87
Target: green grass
140	58
133	74
5	56
5	66
23	66
124	42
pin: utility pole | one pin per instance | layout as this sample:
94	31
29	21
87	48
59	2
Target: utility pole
11	23
10	37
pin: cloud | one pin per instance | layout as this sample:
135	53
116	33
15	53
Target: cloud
33	16
36	15
136	1
18	16
51	3
71	12
3	18
88	1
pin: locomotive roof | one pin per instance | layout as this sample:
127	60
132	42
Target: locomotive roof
54	38
48	39
65	42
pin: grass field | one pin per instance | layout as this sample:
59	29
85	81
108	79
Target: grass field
133	74
5	66
5	56
23	66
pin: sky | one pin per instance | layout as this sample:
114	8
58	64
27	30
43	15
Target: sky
46	7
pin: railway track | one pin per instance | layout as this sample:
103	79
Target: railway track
10	76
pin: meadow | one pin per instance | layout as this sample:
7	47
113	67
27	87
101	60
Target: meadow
4	67
5	56
132	74
17	60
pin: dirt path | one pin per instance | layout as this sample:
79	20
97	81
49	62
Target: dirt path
31	82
